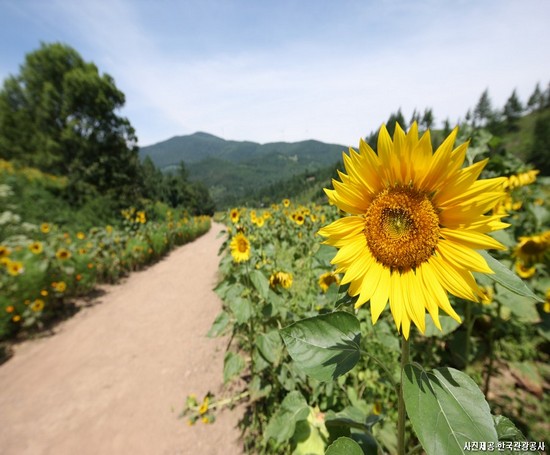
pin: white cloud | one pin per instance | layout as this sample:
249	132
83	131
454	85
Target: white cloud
431	54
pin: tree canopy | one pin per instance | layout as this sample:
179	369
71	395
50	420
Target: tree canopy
59	115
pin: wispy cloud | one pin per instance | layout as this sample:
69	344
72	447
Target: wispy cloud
283	72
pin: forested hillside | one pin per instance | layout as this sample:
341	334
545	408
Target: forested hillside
59	115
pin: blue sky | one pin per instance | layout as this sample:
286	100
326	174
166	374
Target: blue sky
291	70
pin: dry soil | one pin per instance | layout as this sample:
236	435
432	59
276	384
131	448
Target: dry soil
113	378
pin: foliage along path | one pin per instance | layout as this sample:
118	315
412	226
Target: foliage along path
113	379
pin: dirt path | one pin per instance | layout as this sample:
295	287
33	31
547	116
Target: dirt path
113	378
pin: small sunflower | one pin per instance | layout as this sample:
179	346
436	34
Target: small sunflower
523	270
15	268
45	228
282	279
80	235
531	249
60	286
203	409
38	305
36	247
298	218
240	248
234	215
63	254
260	221
4	251
326	279
286	203
416	220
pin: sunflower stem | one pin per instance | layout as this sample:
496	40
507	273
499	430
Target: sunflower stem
401	413
469	327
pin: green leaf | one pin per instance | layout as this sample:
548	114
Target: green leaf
506	430
448	325
344	446
447	410
269	344
505	277
325	346
310	436
242	309
219	325
260	282
282	424
233	364
523	307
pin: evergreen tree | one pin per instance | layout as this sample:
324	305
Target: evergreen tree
58	114
427	118
483	110
540	153
512	111
415	117
536	100
396	118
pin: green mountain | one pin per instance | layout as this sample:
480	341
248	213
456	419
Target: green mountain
232	170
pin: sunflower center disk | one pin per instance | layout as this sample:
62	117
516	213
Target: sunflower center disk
242	246
402	228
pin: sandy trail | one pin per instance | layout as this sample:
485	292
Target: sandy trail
113	378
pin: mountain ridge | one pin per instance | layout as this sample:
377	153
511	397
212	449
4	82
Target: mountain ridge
231	169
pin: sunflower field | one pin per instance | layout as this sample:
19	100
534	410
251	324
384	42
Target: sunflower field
324	364
45	266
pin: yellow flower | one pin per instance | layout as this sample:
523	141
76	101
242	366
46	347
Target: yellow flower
63	254
4	251
234	215
80	235
260	221
546	305
531	249
5	261
45	228
286	202
417	219
36	247
38	305
15	268
280	278
326	279
298	218
487	294
523	270
16	318
60	286
203	409
240	248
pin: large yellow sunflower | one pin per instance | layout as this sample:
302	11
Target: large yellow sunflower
240	248
416	219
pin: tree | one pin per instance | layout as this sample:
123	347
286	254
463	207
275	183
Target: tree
59	114
536	100
483	110
427	118
540	153
394	119
512	111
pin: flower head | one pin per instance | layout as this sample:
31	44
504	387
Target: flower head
416	220
62	254
15	268
36	247
326	279
240	248
234	215
282	279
